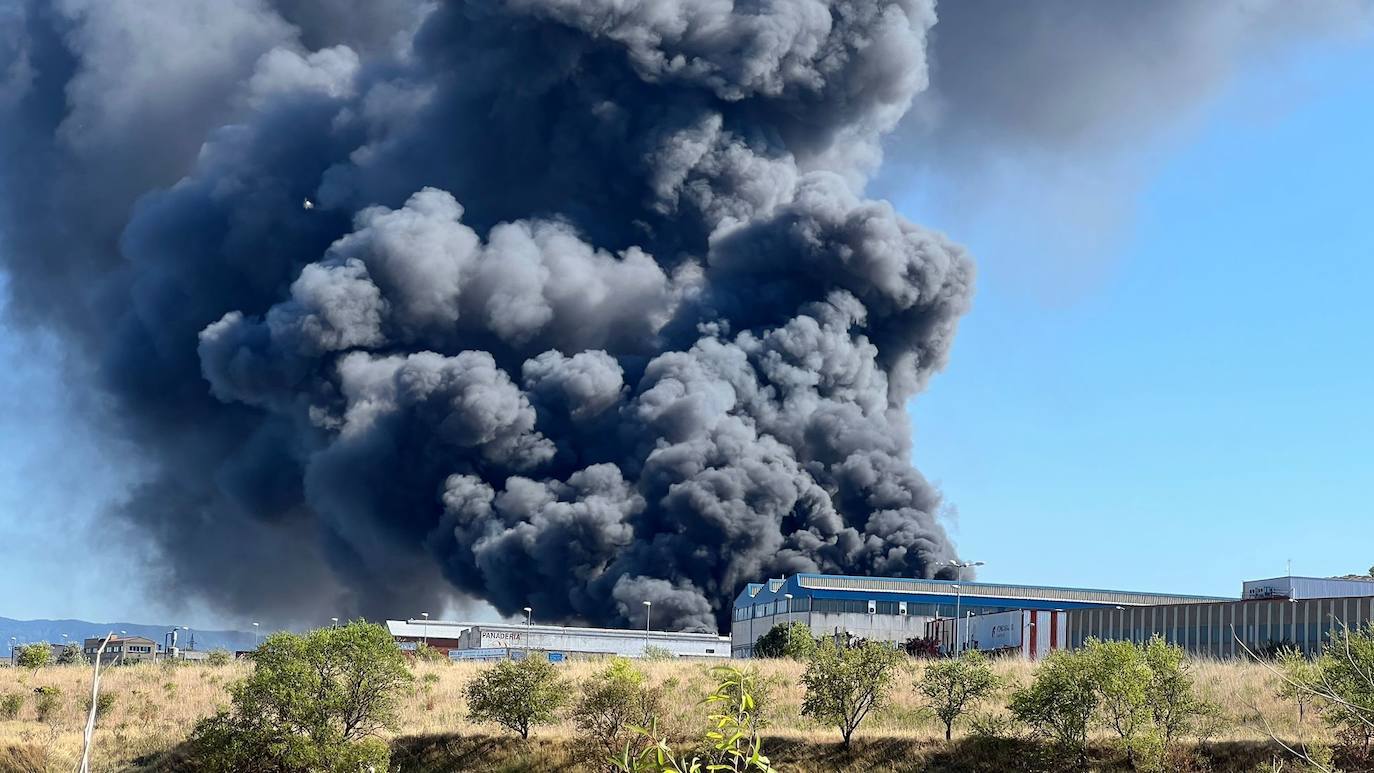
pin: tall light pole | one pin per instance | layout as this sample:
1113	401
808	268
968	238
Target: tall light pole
954	640
960	565
257	642
788	596
333	622
424	631
648	609
529	624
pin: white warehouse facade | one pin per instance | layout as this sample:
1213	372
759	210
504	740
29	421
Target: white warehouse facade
574	641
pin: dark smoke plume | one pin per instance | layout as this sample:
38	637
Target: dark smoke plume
586	306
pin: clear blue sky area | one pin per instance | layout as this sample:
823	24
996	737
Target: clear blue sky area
1194	410
1202	412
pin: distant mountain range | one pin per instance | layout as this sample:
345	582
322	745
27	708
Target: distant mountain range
57	631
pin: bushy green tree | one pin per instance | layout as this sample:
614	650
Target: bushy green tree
33	656
612	703
71	655
953	685
1175	708
314	702
786	640
1123	680
218	658
844	684
1340	684
517	694
1061	700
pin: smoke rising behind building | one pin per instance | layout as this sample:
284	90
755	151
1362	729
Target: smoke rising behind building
589	308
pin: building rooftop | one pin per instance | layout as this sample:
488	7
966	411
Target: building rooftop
849	584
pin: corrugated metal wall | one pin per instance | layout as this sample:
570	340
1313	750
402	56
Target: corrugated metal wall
1218	630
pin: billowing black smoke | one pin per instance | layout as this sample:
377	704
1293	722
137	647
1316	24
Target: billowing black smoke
571	303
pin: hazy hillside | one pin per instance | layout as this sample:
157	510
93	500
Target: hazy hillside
25	631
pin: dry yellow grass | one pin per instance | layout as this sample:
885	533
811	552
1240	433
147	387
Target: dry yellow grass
156	707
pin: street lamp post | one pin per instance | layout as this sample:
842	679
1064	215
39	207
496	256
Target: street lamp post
960	565
648	610
788	596
424	631
529	624
954	640
333	622
256	640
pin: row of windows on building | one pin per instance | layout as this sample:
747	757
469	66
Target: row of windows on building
860	607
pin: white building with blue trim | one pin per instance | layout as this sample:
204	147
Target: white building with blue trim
896	609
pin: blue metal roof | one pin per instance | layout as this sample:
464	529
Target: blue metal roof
934	591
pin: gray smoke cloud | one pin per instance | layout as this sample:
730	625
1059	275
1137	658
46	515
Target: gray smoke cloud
588	308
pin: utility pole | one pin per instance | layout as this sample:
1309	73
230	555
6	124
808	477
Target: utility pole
648	609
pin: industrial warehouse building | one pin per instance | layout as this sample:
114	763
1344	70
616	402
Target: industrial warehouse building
1281	612
442	635
591	641
462	640
1299	612
896	609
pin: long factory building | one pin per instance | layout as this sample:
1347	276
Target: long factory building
464	640
896	609
1299	612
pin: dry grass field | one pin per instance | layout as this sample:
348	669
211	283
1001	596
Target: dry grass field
156	706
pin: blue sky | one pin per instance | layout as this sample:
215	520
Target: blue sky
1197	410
1178	401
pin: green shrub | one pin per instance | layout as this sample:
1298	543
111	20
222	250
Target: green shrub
844	684
48	702
1061	701
314	702
517	694
218	658
33	656
652	652
612	703
1175	708
1340	684
103	705
10	704
785	640
427	654
733	743
953	685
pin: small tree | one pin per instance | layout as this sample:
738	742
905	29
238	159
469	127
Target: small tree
34	656
786	640
517	694
844	685
1059	704
1341	685
950	686
614	701
71	655
218	658
1174	705
315	702
1123	681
